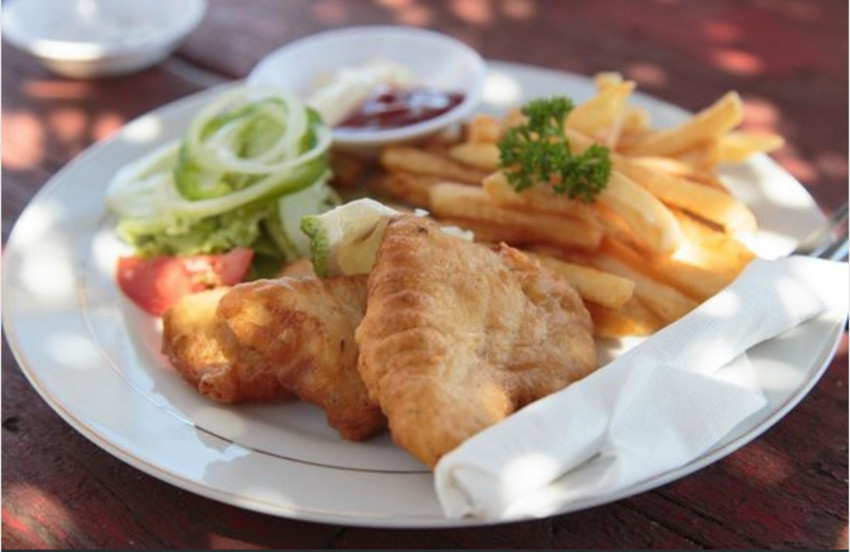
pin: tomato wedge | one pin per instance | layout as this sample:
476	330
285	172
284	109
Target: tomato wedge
157	283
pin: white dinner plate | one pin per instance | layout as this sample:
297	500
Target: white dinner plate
94	357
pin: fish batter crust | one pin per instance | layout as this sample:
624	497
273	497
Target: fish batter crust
458	336
199	345
293	335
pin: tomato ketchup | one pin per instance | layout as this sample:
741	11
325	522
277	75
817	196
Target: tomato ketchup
389	107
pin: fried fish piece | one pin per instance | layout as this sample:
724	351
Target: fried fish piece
270	339
301	331
457	336
195	341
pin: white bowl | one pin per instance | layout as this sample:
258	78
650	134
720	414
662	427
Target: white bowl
95	38
436	61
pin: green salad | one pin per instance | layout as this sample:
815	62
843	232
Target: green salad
252	163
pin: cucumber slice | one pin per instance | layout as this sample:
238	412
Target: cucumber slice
195	182
345	240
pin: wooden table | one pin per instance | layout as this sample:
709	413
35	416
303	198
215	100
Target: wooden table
787	58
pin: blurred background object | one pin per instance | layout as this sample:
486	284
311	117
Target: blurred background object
427	59
98	38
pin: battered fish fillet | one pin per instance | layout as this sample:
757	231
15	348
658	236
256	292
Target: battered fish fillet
195	340
457	336
302	331
287	335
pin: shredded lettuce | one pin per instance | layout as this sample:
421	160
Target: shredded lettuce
240	227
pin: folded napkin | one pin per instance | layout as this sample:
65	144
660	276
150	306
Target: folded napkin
653	409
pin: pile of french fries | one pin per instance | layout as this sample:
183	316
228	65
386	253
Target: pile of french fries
661	237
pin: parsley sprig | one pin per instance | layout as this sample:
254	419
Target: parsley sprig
538	151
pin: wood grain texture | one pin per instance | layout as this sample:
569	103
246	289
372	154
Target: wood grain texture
788	59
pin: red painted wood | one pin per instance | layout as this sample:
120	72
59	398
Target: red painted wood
788	58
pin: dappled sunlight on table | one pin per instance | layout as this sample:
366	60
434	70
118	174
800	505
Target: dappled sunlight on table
738	61
28	128
765	465
44	509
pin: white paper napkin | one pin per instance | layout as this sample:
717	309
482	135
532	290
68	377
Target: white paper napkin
655	408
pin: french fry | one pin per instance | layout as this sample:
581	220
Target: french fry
614	226
410	159
703	157
710	123
656	241
646	218
409	187
484	231
666	301
632	319
578	140
650	220
667	165
451	200
608	290
604	79
602	116
440	143
483	129
709	180
636	121
704	201
481	155
710	249
537	198
696	282
739	146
